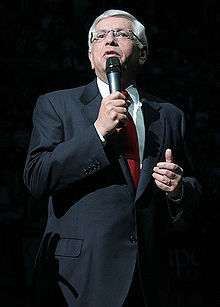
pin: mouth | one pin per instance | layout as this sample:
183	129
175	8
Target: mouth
111	53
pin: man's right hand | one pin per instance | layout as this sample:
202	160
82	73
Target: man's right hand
113	111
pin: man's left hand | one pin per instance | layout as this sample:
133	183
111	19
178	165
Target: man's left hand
168	175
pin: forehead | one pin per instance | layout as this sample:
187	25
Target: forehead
114	22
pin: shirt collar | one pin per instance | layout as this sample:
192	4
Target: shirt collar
131	89
103	88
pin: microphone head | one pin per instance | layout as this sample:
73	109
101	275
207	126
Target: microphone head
113	65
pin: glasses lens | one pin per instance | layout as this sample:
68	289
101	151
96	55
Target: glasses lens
101	35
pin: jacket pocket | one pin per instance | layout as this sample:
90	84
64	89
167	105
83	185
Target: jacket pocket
69	247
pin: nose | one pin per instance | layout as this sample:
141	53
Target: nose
111	39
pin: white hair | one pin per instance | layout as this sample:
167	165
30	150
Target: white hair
138	28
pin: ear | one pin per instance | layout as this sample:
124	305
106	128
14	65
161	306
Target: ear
143	56
91	59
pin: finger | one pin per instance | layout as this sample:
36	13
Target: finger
119	103
120	110
114	106
125	93
116	116
170	166
168	155
162	179
164	171
123	118
116	95
162	186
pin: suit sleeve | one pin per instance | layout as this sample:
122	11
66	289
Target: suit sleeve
52	162
185	208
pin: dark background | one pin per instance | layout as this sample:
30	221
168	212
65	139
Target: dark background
44	47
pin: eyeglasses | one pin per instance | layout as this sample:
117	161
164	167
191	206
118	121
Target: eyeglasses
99	36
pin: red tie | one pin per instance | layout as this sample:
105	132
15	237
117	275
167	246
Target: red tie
131	148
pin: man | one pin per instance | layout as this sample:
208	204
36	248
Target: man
103	240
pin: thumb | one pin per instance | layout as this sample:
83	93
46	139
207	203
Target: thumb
168	155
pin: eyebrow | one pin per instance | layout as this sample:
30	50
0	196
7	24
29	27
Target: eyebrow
114	29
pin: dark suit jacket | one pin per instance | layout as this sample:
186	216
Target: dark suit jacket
98	227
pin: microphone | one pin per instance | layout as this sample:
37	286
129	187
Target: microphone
113	72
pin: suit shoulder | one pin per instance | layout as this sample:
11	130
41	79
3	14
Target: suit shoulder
60	99
164	106
170	108
64	93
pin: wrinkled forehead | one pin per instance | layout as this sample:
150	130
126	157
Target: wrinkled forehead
114	22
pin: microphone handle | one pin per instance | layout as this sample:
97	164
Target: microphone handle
114	81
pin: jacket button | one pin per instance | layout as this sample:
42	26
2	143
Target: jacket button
133	238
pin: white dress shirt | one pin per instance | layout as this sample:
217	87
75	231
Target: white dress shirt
134	109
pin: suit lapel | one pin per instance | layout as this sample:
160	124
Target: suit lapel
91	99
154	143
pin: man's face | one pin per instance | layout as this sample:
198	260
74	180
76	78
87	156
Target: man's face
122	47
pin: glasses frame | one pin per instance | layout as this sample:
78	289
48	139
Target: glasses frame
115	32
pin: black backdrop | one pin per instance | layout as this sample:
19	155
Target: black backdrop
44	48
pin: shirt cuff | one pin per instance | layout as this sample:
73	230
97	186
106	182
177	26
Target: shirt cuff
175	206
178	198
100	135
